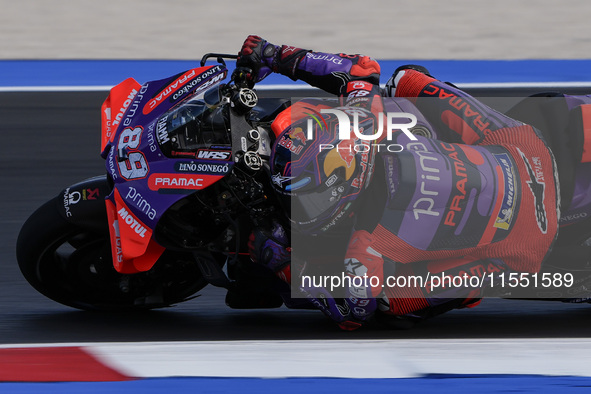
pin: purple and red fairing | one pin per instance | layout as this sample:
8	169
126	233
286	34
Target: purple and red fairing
146	181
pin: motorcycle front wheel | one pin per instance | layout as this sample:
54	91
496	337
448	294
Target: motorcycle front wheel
72	265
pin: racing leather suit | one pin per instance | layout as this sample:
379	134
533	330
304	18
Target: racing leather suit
482	202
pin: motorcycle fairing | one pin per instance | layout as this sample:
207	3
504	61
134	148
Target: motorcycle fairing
145	181
133	247
120	97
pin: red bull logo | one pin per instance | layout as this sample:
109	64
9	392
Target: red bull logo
288	143
346	151
342	156
298	134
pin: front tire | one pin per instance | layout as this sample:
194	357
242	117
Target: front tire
72	265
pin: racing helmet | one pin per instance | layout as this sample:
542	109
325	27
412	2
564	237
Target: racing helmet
317	176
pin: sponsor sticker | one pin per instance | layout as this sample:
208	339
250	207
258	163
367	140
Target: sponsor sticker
202	168
505	215
181	181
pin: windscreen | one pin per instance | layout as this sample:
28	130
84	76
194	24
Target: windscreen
200	122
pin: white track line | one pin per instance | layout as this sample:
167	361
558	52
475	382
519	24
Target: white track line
344	359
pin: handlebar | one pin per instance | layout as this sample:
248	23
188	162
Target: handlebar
219	57
239	76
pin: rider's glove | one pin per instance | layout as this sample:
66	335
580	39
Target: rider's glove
361	298
255	56
338	309
271	249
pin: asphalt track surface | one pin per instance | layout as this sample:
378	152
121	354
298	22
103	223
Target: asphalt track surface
51	140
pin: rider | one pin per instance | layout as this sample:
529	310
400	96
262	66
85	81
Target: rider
483	202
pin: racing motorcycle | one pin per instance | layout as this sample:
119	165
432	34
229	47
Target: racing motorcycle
175	206
185	184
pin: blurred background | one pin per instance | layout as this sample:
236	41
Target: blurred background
388	29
